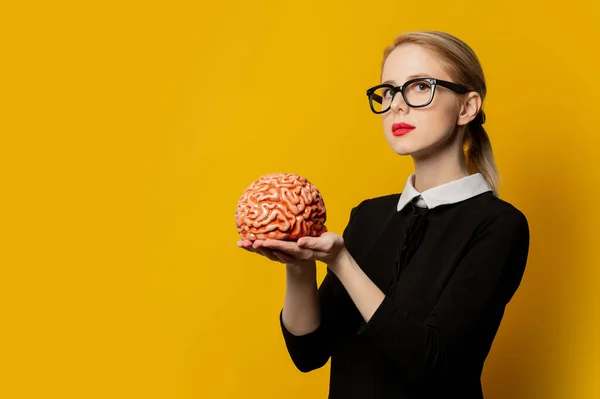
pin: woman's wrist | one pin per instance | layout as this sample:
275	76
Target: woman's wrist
340	262
308	270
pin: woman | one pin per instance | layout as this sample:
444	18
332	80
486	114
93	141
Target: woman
417	285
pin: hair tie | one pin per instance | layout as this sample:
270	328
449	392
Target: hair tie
480	118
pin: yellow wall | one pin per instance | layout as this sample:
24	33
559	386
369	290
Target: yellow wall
130	130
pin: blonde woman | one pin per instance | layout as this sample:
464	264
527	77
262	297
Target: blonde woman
417	284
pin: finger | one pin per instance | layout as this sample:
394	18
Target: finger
314	243
243	243
257	246
289	248
306	242
268	254
272	243
246	245
285	258
275	257
240	244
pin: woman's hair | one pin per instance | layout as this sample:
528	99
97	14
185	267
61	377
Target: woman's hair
462	64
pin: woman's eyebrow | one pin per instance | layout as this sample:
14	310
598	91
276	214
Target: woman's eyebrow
418	75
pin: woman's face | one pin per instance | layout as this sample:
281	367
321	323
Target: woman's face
434	125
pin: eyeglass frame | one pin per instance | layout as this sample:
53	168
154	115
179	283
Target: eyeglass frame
395	89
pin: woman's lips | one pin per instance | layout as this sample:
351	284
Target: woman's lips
400	129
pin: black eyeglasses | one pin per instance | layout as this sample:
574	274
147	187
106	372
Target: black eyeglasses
417	93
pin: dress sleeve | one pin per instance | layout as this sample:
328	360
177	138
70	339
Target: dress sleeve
338	317
465	319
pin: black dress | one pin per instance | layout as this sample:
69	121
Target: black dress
447	273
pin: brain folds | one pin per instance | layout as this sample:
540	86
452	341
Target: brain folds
283	206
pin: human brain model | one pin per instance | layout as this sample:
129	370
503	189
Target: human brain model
283	206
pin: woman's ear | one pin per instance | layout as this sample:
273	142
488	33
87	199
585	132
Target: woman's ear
470	107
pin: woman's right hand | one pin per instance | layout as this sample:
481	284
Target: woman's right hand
274	255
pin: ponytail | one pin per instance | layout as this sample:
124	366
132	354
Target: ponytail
479	155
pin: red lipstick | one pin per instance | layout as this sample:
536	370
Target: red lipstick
400	129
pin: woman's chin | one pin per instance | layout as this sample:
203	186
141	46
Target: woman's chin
403	148
406	147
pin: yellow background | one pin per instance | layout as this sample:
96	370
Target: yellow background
130	129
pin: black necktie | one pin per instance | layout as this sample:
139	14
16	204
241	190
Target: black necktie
412	239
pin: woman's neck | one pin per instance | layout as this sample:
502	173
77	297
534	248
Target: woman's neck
436	171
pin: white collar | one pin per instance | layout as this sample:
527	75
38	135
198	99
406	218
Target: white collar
448	193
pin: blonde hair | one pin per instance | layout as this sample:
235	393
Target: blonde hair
462	64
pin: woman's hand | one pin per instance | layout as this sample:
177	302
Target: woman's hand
273	254
306	250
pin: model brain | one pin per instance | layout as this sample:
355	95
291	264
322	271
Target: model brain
283	206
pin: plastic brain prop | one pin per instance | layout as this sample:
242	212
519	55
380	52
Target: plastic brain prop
283	206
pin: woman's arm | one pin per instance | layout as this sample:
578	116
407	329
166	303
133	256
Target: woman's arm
314	319
364	293
477	293
301	312
310	345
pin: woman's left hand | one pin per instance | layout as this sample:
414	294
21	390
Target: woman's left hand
325	248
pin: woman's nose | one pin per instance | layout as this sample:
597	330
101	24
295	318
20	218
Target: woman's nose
398	104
